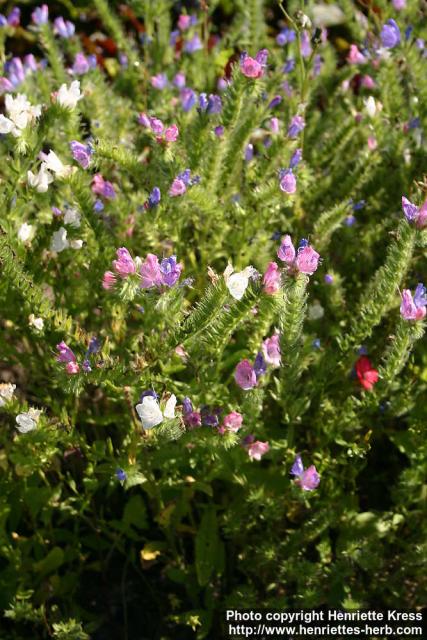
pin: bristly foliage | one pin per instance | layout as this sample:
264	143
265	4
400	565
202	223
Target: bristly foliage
195	143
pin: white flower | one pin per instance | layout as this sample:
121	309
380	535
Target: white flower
76	244
27	421
237	282
6	392
54	164
37	323
41	180
21	113
26	232
169	411
69	96
372	106
59	240
150	413
72	217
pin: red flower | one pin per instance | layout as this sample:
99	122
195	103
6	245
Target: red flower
366	374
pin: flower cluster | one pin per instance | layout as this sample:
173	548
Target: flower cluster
162	133
304	260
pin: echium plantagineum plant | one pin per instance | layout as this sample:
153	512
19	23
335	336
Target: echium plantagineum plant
212	249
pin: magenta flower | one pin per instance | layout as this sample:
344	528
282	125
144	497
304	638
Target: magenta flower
271	279
286	251
124	265
271	350
65	354
171	133
245	375
257	449
156	126
414	308
288	182
109	280
178	188
102	187
307	260
151	275
184	22
253	67
233	421
308	479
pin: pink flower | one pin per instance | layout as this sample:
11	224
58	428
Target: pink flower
193	419
109	280
275	125
233	421
355	56
414	308
72	368
144	120
399	4
171	133
65	354
307	260
245	375
257	449
150	272
368	82
309	479
372	143
251	68
102	187
178	188
286	251
271	279
184	22
125	265
271	350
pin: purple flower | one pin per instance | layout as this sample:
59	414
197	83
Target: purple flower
296	158
296	126
81	64
245	375
12	19
414	308
409	209
249	152
160	81
219	131
329	279
349	220
288	182
98	206
170	270
102	187
65	354
286	251
179	80
210	417
193	45
156	126
63	28
15	71
285	36
188	99
86	366
30	63
154	197
121	475
308	479
203	101
94	346
305	45
81	153
124	265
214	104
260	366
275	102
144	120
148	393
390	34
289	65
187	405
271	350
